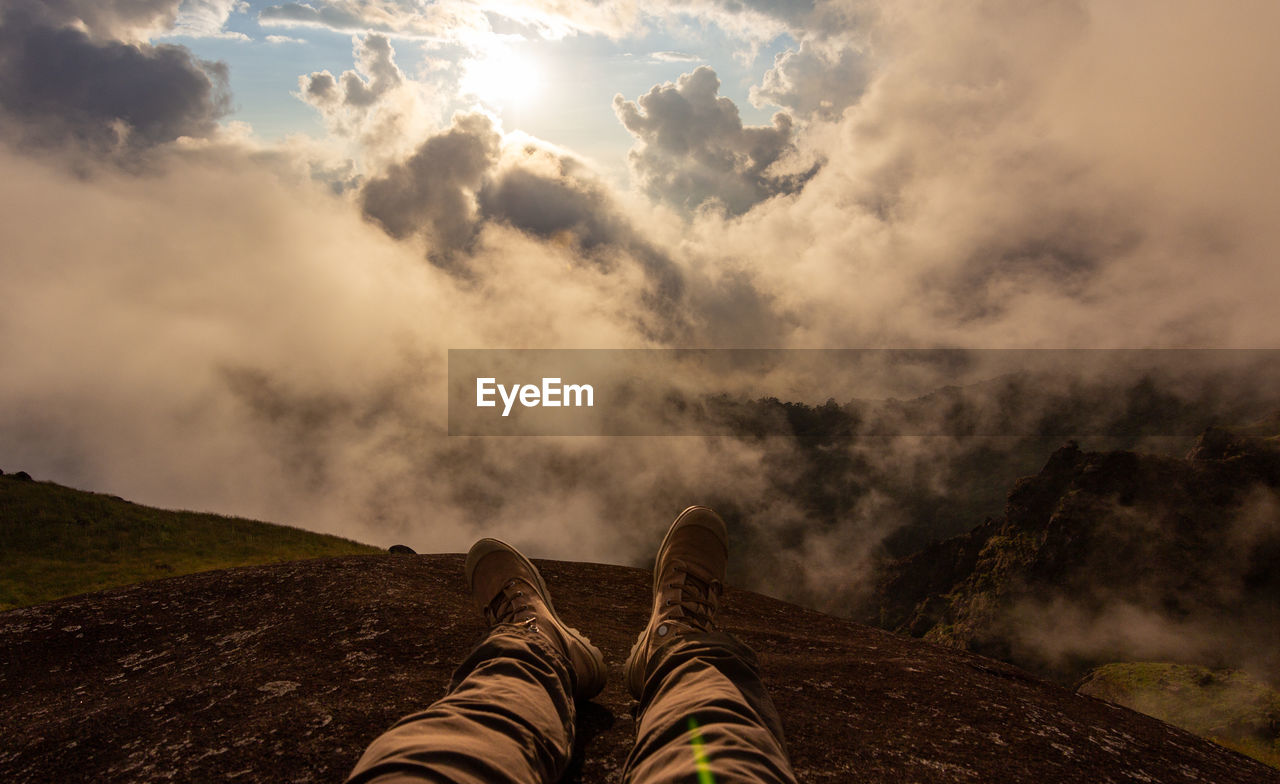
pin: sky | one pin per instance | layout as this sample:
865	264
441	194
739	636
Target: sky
506	64
240	238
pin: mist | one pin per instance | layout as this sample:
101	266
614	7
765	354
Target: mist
195	318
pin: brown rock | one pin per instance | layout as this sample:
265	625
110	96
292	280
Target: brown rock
286	672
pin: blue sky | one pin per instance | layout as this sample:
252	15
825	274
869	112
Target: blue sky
578	74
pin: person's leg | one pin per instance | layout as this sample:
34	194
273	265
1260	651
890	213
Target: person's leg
509	713
703	714
508	717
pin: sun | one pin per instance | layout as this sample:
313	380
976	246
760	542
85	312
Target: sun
502	78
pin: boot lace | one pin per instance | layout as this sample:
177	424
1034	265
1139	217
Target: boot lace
510	606
699	594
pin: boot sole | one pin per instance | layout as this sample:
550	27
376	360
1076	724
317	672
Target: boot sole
594	681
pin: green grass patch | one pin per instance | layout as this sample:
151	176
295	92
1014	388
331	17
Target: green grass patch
55	542
1261	750
1229	707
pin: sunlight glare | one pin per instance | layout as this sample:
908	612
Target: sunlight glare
502	78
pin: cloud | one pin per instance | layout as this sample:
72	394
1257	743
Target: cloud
57	86
436	20
554	198
375	105
792	12
431	194
377	74
123	20
756	22
223	335
460	180
1038	178
675	57
293	357
814	79
693	148
283	39
206	18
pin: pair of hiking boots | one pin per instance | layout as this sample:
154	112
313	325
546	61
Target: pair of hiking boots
688	577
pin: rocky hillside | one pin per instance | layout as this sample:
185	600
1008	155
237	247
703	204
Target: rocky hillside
285	672
1112	556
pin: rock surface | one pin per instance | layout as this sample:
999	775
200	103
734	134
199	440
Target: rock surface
286	672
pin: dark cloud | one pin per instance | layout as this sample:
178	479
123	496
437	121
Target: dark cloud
57	86
457	181
432	193
101	19
693	148
320	88
549	196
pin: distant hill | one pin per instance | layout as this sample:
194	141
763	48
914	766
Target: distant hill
1105	562
286	672
56	541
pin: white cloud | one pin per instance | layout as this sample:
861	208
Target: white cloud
551	19
375	105
692	148
442	21
675	57
815	79
206	19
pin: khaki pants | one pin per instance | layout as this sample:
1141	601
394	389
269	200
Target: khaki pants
509	717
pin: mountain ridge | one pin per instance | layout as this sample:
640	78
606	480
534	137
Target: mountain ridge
1185	546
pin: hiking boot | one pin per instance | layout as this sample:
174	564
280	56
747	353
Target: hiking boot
688	576
507	588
